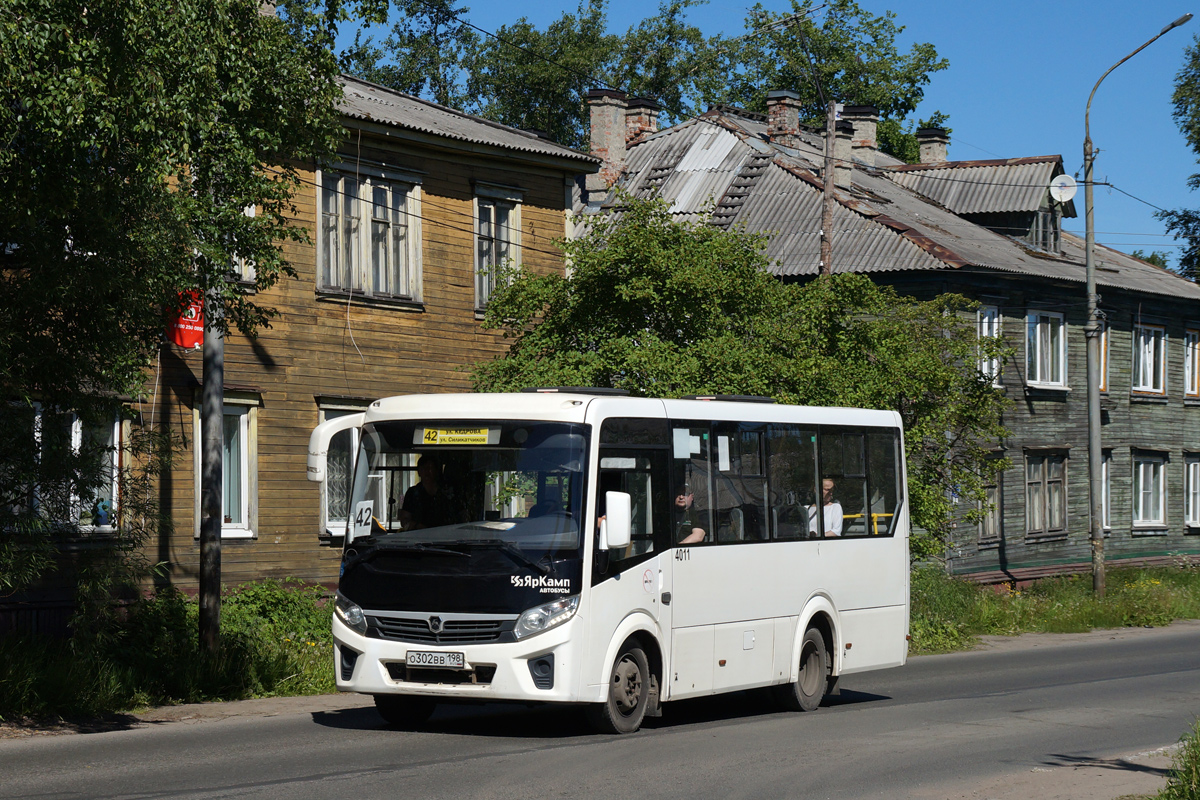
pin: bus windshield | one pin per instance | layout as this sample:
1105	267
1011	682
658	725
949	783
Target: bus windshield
514	485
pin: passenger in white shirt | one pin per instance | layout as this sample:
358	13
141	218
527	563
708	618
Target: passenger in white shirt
832	511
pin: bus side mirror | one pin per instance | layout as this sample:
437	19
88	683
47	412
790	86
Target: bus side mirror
616	528
318	443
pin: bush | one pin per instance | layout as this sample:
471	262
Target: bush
1183	781
275	640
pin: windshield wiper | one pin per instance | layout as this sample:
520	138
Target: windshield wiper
401	547
508	548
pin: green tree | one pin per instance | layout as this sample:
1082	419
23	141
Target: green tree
532	78
134	136
424	54
1185	222
1156	257
665	308
852	55
536	79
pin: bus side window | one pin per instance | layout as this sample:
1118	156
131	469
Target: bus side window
739	496
843	461
691	487
883	470
792	476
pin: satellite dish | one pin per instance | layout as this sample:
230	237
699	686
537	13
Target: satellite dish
1062	188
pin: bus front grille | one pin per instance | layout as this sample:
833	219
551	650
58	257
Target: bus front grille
461	631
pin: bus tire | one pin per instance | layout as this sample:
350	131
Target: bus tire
628	693
812	681
404	711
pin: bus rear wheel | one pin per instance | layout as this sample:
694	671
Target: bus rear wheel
404	711
813	678
628	693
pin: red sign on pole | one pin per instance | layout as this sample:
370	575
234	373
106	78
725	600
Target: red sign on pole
187	329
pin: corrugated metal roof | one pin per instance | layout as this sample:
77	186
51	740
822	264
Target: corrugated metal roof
880	226
368	101
982	187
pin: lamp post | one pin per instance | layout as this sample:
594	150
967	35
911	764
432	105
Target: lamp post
1092	331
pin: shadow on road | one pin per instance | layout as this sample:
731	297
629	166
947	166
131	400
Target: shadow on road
1119	764
520	721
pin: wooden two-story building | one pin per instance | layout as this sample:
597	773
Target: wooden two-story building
407	223
989	230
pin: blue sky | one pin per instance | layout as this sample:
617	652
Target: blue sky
1019	77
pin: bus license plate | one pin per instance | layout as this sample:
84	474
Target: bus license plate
418	658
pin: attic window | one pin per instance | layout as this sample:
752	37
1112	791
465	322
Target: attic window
1044	232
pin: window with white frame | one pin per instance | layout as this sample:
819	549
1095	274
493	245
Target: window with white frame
1149	358
1046	349
989	329
239	468
343	448
497	237
1045	493
1191	489
370	234
73	471
1149	489
1191	362
243	268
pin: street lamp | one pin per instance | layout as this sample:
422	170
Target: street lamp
1092	331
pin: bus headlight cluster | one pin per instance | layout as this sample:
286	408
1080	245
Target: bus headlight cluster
350	613
545	617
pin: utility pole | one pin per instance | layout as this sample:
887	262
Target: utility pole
827	195
212	434
1093	330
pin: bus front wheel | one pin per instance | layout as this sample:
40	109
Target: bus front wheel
403	710
813	678
628	693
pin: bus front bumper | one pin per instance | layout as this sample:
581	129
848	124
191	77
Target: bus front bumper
542	668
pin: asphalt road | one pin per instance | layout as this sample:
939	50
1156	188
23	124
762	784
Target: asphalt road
934	728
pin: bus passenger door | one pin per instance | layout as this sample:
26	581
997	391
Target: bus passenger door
635	580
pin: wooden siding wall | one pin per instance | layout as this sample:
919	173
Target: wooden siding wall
1041	419
323	346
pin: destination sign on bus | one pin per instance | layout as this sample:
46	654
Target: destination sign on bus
443	436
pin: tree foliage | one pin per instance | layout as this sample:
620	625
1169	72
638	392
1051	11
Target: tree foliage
1158	258
663	308
134	136
1185	222
532	78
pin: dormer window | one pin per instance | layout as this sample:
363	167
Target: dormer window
1044	232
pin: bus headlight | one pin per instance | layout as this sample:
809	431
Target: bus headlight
349	613
545	617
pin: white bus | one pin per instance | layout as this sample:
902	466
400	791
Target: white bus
581	546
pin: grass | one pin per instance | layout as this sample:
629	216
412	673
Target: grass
1183	781
275	637
948	613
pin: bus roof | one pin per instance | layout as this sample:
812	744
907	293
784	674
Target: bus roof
576	407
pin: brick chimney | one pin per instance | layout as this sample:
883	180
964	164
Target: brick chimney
843	155
865	120
783	117
641	118
933	142
607	134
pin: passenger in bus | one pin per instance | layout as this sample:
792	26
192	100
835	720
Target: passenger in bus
685	518
832	510
427	503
